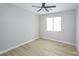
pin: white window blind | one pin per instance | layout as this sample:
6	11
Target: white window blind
49	24
54	24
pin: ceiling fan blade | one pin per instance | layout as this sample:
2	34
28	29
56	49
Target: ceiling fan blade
46	10
50	6
39	10
36	6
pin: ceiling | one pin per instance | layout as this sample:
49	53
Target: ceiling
59	7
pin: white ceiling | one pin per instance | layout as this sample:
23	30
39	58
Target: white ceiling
59	7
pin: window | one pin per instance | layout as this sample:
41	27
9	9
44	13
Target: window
49	24
54	24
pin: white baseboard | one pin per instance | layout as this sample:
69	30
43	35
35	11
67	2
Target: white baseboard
57	40
6	50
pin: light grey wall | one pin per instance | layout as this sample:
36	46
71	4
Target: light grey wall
16	26
68	27
77	29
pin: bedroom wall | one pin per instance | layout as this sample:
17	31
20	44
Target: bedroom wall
17	26
67	34
77	29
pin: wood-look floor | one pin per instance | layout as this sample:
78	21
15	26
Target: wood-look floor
43	47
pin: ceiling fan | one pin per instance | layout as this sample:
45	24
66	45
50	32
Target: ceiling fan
44	6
